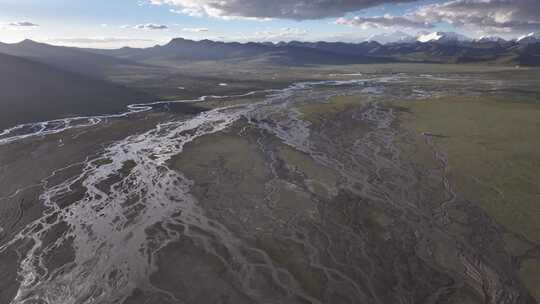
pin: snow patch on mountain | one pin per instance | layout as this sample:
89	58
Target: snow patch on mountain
442	37
529	38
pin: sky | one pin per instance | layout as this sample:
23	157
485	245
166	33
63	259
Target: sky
144	23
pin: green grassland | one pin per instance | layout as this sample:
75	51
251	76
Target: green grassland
494	158
315	112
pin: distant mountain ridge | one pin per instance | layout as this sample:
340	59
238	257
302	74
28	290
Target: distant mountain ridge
401	37
293	52
437	47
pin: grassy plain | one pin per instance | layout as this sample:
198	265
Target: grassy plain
315	112
494	160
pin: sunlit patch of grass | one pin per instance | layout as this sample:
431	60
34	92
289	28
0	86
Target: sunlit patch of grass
494	157
491	148
322	178
223	151
292	256
530	273
127	167
102	162
315	112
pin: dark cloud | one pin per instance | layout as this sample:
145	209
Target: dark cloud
287	9
151	26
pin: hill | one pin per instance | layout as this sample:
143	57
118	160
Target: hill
31	91
67	58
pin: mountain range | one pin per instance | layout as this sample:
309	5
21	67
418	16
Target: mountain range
437	47
180	49
75	81
442	47
401	37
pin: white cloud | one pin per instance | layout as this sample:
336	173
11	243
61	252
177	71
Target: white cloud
484	15
195	29
272	35
386	21
264	9
480	16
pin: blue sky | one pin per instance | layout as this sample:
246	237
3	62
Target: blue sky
108	24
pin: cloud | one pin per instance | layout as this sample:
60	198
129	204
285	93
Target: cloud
195	29
386	21
151	26
484	15
285	9
274	35
23	24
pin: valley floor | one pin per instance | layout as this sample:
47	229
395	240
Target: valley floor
365	184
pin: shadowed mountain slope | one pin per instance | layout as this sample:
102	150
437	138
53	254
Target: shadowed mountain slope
66	58
31	92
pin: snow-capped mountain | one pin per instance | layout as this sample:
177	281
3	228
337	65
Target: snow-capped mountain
442	37
529	38
395	37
